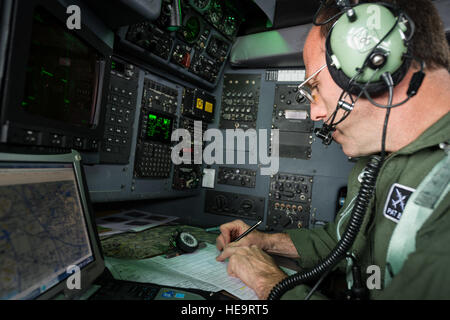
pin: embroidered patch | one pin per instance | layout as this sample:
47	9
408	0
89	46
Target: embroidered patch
396	201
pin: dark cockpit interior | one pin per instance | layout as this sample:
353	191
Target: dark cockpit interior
182	108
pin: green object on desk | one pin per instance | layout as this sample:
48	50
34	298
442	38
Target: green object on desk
149	243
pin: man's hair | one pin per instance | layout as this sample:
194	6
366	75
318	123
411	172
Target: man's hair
429	42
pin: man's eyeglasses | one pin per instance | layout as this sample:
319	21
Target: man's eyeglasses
304	90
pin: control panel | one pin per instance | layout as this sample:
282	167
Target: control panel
186	177
205	68
237	177
289	201
189	124
240	100
196	134
198	105
157	97
291	112
221	14
120	112
152	160
52	142
234	204
291	116
218	49
153	148
198	49
152	38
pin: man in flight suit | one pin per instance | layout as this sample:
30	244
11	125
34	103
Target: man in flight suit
416	136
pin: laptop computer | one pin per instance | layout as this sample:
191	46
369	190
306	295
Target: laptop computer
49	246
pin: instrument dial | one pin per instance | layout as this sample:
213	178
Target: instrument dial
201	4
229	26
216	13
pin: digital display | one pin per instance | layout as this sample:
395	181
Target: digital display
45	227
296	114
159	128
117	66
62	74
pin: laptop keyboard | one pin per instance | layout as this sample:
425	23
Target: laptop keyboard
126	291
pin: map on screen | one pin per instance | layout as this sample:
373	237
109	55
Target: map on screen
42	230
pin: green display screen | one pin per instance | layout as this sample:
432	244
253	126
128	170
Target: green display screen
159	128
62	74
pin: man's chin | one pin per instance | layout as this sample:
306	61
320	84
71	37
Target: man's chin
349	153
346	148
352	152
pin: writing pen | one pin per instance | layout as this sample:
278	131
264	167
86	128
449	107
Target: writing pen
213	229
248	231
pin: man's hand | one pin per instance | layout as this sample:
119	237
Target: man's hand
276	243
234	229
253	266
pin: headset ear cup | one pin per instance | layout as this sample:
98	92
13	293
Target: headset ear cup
374	89
338	76
343	79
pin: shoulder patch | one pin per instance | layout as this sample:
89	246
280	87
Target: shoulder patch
396	201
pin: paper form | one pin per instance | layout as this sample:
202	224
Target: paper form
202	265
148	271
195	270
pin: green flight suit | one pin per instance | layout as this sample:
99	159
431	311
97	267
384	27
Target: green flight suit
426	272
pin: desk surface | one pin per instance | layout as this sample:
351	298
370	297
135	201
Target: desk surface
149	243
155	241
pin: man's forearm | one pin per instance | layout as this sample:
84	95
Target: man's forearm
280	244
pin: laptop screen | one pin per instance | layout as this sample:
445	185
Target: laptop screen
43	230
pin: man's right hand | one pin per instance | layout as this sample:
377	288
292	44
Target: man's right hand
232	230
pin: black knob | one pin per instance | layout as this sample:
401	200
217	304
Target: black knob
299	98
285	221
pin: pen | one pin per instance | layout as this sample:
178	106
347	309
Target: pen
248	231
212	229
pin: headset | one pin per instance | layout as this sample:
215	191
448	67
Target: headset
368	51
365	43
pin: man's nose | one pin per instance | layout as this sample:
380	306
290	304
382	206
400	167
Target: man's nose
318	111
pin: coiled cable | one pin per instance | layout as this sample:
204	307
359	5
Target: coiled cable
363	199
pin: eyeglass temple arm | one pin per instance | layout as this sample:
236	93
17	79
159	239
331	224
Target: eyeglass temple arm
312	76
